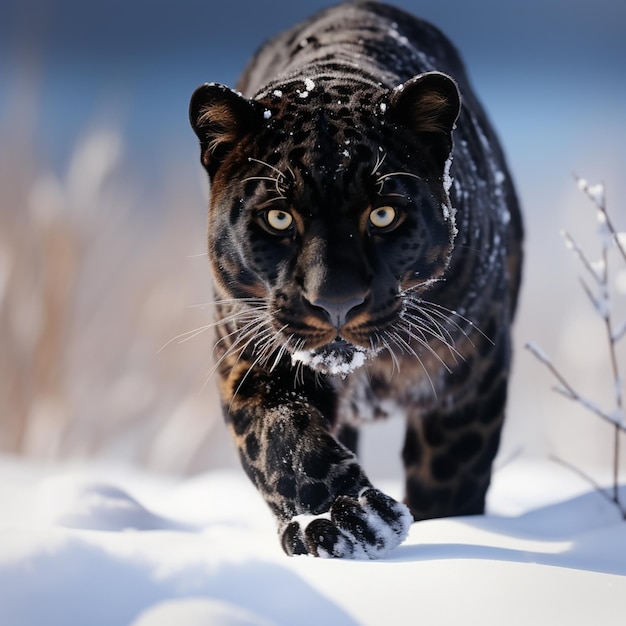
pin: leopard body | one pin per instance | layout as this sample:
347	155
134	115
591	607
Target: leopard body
365	242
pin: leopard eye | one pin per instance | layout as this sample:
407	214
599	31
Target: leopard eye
383	217
279	220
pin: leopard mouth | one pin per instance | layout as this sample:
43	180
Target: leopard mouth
337	358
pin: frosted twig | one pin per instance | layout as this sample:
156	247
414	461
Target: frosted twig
601	301
596	194
597	486
566	390
619	333
592	268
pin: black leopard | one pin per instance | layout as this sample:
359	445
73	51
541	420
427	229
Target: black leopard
365	243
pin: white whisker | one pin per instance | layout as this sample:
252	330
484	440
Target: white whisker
270	178
399	341
387	346
380	181
424	343
281	350
278	180
379	161
390	174
422	321
266	164
240	345
252	366
449	315
187	335
191	334
275	199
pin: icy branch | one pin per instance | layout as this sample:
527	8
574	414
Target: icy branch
619	333
539	353
601	490
601	301
597	195
596	269
565	389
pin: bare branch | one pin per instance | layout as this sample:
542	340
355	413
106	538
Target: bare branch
566	390
603	491
601	300
593	268
597	195
619	333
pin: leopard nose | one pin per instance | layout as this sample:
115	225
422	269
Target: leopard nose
338	309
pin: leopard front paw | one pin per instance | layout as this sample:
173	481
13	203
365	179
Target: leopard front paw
365	527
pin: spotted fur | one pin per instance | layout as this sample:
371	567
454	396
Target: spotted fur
365	243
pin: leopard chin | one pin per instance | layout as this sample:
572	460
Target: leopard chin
338	358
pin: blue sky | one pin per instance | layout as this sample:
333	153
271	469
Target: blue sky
139	61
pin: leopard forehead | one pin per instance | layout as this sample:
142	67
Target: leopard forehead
332	93
334	114
326	137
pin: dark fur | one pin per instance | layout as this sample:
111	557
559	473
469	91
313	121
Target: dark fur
348	112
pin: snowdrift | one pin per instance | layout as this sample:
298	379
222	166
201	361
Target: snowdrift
110	546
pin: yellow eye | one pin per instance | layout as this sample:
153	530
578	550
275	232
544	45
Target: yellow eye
279	220
383	217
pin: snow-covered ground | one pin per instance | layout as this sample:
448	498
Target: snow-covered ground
95	545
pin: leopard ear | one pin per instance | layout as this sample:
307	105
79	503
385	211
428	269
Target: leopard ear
220	118
429	104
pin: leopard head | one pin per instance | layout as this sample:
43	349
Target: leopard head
329	205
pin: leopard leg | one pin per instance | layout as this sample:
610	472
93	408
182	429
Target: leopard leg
449	450
348	435
323	501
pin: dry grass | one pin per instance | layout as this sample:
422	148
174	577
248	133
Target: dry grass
92	286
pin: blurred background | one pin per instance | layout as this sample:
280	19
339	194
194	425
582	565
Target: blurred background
103	273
